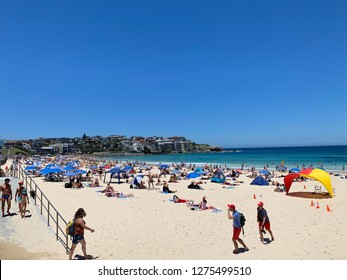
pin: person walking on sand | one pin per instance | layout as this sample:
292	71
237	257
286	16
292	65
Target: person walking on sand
263	222
235	216
6	196
24	201
18	197
78	237
150	180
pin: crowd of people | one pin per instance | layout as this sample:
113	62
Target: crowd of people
93	177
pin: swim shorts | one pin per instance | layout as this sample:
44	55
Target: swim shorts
5	196
77	238
236	233
266	226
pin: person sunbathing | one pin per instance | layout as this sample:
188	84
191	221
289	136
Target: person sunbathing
173	179
202	205
108	189
166	188
193	185
176	199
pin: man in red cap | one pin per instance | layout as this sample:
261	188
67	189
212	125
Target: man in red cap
263	222
235	216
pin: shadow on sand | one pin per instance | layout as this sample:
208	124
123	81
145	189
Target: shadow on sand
10	214
323	195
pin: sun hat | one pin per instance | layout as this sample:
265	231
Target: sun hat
231	206
7	179
20	183
260	204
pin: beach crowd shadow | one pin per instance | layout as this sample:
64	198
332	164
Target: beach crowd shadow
10	214
323	195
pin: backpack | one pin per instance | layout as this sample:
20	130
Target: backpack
70	228
242	222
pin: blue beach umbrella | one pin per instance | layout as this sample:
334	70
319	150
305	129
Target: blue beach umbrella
175	171
114	170
264	172
136	180
31	167
69	174
320	168
295	170
46	171
69	168
163	166
93	167
128	167
193	175
80	171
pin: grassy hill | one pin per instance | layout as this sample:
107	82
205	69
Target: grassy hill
14	151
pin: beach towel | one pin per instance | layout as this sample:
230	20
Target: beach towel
228	187
216	211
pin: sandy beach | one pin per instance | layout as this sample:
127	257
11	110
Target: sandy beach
150	226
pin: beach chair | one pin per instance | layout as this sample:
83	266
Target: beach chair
317	189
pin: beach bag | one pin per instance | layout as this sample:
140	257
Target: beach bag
242	222
70	228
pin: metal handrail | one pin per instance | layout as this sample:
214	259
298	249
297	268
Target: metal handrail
52	213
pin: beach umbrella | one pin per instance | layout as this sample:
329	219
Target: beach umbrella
163	166
69	168
128	167
49	165
239	171
200	171
321	168
136	180
94	167
175	171
46	171
31	167
56	167
295	170
69	174
316	174
115	170
80	171
264	172
193	175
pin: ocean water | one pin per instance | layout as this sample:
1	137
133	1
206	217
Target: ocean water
331	158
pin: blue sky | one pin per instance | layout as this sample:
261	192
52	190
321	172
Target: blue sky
229	73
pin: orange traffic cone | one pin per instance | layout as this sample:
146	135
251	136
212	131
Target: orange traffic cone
312	203
317	207
304	187
328	208
254	197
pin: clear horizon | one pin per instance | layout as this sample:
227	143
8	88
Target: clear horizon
225	73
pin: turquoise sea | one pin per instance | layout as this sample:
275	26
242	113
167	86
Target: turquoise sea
331	158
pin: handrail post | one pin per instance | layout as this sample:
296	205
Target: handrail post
35	194
57	229
41	202
48	212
